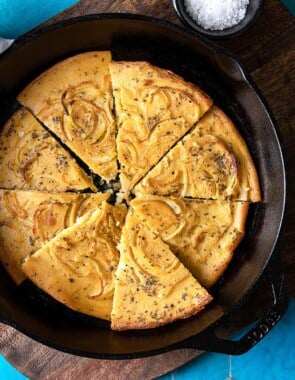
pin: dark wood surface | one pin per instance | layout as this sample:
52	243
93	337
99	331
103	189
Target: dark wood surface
268	52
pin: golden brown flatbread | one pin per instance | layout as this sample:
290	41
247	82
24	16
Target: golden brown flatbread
31	159
211	162
152	287
183	159
203	234
28	219
154	108
78	266
74	100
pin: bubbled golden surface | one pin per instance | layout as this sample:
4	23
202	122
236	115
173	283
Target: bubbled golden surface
154	108
28	219
74	100
216	123
31	159
203	234
77	267
211	162
152	287
181	157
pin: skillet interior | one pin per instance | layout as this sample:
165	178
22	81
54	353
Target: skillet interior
219	75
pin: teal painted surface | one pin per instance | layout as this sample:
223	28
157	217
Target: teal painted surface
7	372
290	4
19	16
16	18
272	359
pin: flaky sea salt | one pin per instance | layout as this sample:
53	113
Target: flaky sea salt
217	14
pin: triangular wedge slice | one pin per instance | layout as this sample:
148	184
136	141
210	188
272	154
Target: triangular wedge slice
203	234
31	159
154	108
152	287
78	266
28	219
74	100
211	162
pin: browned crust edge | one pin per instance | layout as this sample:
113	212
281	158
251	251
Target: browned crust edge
240	224
56	69
120	326
200	95
255	193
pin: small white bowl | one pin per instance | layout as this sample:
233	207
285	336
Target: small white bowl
254	10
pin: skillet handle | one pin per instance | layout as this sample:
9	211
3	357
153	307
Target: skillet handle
210	342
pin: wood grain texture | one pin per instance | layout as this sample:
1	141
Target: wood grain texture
268	52
37	361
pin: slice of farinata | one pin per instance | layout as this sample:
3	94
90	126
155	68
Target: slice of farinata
203	234
152	287
154	108
28	219
78	266
31	159
211	162
74	100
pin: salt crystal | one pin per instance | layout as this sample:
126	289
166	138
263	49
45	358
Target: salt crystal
217	14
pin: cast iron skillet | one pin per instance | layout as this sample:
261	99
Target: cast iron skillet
219	74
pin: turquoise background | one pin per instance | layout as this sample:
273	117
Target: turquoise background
290	4
274	357
19	16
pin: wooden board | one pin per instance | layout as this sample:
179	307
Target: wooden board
268	52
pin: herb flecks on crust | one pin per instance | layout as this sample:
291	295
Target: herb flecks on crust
184	170
152	287
74	100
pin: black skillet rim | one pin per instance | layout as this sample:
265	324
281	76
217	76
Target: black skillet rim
246	78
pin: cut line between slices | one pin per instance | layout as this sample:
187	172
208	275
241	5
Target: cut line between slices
99	183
